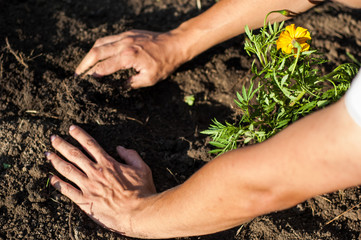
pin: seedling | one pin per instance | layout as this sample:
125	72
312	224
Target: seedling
6	166
189	100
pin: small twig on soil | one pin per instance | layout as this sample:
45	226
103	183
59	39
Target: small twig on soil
71	235
21	123
171	173
68	92
239	231
337	217
31	111
146	120
18	57
184	139
54	200
326	199
41	114
42	144
134	119
199	4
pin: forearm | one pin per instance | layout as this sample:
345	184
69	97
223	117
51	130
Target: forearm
227	19
318	154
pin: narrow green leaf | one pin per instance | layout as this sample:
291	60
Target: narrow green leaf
209	132
214	151
307	107
244	93
284	79
247	140
323	103
217	144
240	98
282	123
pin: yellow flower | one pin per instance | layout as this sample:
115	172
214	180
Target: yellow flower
291	36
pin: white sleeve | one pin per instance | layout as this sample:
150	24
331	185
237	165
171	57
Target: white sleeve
353	99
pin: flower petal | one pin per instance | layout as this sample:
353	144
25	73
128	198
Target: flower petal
302	33
291	29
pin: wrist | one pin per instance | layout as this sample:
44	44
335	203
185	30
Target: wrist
190	40
153	219
144	219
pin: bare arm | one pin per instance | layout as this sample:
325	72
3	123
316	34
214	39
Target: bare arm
155	55
228	18
318	154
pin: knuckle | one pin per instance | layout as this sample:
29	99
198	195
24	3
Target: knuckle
98	173
67	169
74	152
130	51
128	40
106	160
99	67
115	45
99	41
66	189
94	52
109	193
91	142
109	166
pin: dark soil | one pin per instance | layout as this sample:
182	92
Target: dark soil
39	96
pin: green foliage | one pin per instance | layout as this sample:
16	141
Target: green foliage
284	88
189	99
6	166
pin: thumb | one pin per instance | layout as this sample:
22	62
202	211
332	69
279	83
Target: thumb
131	157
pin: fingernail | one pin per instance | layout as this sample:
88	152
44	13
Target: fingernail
53	137
96	75
75	74
72	127
47	154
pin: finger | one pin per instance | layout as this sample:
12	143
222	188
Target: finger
108	39
90	145
67	169
97	54
118	37
72	153
131	157
66	189
111	65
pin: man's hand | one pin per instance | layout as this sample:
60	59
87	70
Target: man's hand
153	55
111	193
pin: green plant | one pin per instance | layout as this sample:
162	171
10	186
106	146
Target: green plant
286	85
6	166
189	99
